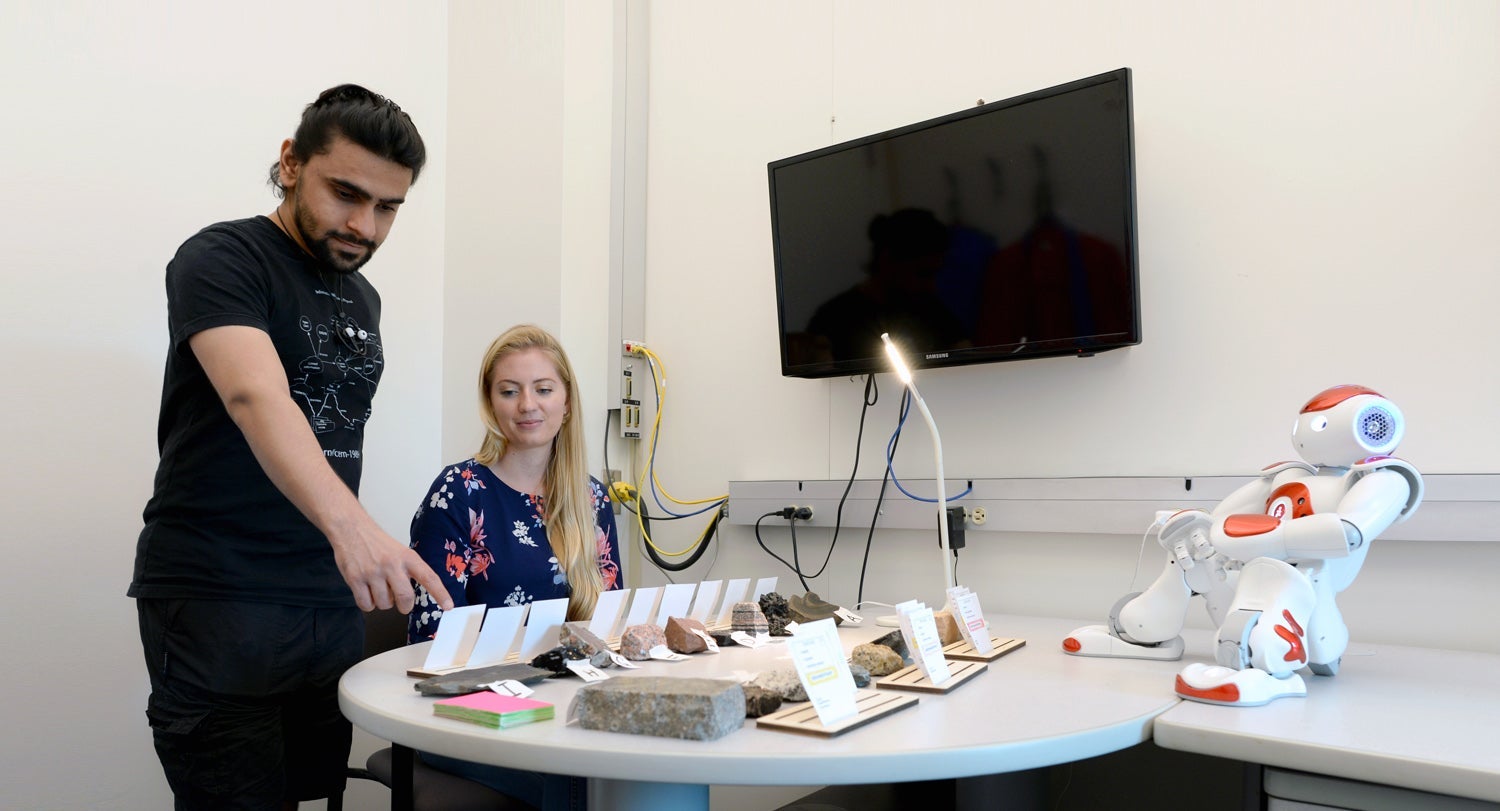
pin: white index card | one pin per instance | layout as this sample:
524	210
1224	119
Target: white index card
607	613
733	593
457	630
643	607
765	585
674	602
502	624
703	601
542	626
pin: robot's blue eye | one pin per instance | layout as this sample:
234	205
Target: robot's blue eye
1319	423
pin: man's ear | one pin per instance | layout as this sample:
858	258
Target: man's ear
290	165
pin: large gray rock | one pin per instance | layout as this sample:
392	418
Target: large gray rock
877	659
696	709
783	682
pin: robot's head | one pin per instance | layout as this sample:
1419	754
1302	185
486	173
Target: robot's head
1346	424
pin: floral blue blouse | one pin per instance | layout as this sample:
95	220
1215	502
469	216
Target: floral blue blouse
489	545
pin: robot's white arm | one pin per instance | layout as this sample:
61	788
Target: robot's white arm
1370	506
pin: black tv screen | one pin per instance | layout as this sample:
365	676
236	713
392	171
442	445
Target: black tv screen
1002	232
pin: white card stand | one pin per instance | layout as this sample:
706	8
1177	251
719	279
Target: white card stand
605	623
735	592
543	624
643	607
457	631
675	600
497	639
705	601
763	586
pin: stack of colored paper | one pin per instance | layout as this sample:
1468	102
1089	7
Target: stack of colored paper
493	709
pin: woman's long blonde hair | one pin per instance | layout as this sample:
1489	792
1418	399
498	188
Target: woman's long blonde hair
569	509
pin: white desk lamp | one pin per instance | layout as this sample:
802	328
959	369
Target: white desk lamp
937	450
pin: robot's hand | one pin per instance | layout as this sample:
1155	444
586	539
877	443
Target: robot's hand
1184	534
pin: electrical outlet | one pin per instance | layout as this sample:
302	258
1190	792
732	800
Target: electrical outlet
977	516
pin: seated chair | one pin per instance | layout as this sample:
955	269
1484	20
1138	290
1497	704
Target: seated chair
414	785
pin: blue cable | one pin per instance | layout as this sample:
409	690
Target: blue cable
890	451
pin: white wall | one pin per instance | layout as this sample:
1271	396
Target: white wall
127	127
1315	186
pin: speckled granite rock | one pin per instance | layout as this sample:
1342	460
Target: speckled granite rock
747	617
578	635
638	640
696	709
777	613
947	626
896	642
782	682
877	659
760	701
680	636
810	607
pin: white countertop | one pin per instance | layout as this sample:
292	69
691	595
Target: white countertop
1413	717
1035	707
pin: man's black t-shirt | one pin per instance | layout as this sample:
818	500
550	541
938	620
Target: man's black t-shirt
216	527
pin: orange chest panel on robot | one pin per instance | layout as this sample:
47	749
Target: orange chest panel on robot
1290	500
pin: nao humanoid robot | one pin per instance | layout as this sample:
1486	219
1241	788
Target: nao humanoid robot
1271	557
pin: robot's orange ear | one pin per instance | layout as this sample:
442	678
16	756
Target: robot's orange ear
1328	398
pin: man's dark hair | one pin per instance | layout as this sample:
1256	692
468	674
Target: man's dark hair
365	118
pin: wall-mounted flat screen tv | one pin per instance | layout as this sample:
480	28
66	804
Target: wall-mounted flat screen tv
1002	232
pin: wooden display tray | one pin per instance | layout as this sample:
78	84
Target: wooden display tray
964	651
802	718
420	672
911	678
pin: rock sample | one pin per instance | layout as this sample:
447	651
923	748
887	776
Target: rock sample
474	679
578	635
896	642
760	701
947	627
877	659
696	709
777	612
782	682
747	617
638	640
861	675
810	607
680	636
556	659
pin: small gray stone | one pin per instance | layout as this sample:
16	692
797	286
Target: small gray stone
877	659
860	674
696	709
783	682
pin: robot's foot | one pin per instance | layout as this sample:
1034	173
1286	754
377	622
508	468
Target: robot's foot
1213	684
1096	640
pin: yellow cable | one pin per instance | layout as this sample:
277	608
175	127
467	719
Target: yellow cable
660	380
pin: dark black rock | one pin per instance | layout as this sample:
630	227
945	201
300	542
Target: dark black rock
777	612
897	643
553	660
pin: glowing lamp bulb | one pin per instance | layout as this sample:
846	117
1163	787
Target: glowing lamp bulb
896	360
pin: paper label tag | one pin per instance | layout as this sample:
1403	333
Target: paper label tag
621	661
819	659
920	631
747	640
509	687
663	653
713	647
585	670
849	616
971	622
791	627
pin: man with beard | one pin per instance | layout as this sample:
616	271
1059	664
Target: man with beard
256	558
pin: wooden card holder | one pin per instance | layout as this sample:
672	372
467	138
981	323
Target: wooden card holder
911	678
802	718
964	651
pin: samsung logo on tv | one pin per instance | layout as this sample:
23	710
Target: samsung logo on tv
936	355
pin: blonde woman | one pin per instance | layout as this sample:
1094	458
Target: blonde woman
521	521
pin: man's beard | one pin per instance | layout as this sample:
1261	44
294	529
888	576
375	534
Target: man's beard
322	248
